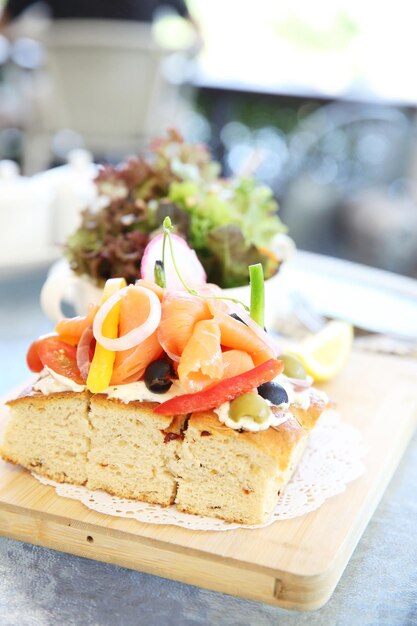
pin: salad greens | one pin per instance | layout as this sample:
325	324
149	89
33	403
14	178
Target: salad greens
229	222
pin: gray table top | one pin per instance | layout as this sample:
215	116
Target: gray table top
41	587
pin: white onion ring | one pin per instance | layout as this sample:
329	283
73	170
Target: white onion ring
135	336
301	382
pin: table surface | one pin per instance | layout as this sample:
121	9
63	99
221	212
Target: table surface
41	587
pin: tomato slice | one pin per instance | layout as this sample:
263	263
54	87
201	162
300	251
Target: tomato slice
223	391
59	356
32	357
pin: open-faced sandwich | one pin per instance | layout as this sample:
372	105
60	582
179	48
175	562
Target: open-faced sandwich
169	394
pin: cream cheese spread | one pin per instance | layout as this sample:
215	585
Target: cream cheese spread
51	382
301	399
246	422
138	391
318	394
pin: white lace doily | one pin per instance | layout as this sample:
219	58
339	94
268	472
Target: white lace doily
332	459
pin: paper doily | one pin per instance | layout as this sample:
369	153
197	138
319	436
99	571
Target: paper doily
332	459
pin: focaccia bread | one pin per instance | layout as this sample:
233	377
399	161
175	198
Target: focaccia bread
129	451
49	435
132	449
239	475
236	475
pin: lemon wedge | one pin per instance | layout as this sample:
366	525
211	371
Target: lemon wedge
326	353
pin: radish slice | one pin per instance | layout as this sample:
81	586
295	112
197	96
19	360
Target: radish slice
186	259
83	352
135	336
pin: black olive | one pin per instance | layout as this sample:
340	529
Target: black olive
273	392
158	376
236	317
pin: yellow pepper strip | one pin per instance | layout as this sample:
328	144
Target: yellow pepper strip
101	368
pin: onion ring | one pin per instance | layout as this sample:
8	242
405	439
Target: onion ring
135	336
301	382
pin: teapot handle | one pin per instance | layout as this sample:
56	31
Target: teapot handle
53	293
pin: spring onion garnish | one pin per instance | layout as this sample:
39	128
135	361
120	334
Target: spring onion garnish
167	226
257	293
159	274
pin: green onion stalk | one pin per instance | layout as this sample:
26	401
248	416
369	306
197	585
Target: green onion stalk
257	293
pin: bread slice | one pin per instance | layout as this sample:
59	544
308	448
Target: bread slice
234	475
49	435
195	461
238	476
132	449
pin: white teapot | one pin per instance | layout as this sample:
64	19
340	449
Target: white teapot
72	190
25	216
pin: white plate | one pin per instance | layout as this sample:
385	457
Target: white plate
369	298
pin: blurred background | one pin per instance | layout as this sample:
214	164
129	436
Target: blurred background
317	100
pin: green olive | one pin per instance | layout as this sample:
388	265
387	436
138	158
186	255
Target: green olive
250	404
293	366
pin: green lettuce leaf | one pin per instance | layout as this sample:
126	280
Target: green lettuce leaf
229	256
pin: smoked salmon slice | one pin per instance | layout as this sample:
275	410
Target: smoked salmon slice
235	334
180	312
201	363
236	362
130	365
206	348
148	284
71	329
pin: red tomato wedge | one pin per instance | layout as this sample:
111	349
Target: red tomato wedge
32	357
224	391
59	356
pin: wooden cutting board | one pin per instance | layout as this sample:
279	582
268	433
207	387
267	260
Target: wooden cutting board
293	564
